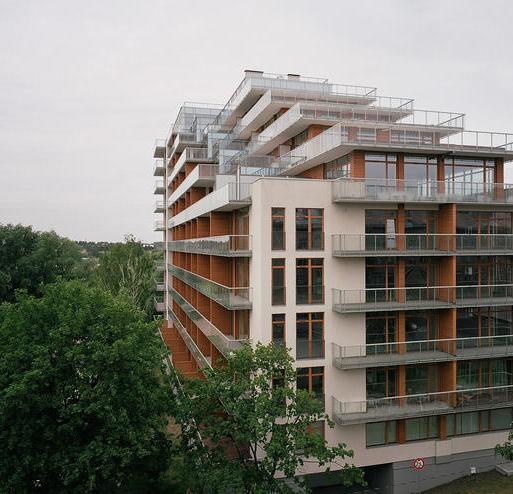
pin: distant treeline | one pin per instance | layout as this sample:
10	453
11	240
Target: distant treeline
94	249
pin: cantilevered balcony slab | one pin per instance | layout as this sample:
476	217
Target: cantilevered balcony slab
367	190
417	298
159	305
159	207
422	351
159	168
189	155
200	176
400	245
223	245
159	226
159	187
227	198
224	343
232	298
421	405
160	148
202	360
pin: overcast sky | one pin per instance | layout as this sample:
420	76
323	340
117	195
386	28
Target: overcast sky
87	86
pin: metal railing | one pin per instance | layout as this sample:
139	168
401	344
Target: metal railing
418	405
224	343
383	190
230	297
411	298
223	245
159	226
353	136
308	349
392	353
422	244
159	187
159	168
159	305
159	206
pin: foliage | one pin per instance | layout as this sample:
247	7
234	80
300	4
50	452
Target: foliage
506	449
129	269
29	259
262	427
83	401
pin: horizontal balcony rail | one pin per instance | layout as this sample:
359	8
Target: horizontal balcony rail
309	349
202	361
158	245
382	190
160	286
159	226
401	353
159	305
418	405
192	155
223	245
160	266
224	343
421	244
201	175
159	187
348	137
230	297
414	298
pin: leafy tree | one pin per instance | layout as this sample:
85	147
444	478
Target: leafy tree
506	449
250	411
29	259
128	269
83	400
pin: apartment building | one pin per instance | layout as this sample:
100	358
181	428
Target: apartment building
372	238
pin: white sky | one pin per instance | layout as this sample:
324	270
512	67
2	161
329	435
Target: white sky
86	86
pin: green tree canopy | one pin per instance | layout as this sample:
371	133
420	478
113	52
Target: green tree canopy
83	401
128	269
29	259
250	411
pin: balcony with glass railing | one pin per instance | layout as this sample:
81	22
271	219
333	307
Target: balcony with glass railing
159	226
200	176
222	245
342	139
159	305
232	298
229	197
189	155
160	286
394	191
224	343
416	244
420	405
160	266
309	349
160	148
159	207
159	187
415	298
421	351
159	168
202	360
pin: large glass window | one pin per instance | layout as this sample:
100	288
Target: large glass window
310	335
278	229
421	428
421	379
380	167
381	383
475	374
278	329
309	281
420	271
311	379
473	322
278	282
309	229
420	326
483	270
341	167
381	433
420	168
380	329
469	171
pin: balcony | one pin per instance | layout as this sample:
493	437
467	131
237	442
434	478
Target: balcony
189	155
223	245
309	349
200	176
159	226
159	305
202	361
159	168
160	286
398	244
416	298
232	298
342	139
421	405
159	207
160	148
421	351
234	195
159	187
407	191
160	266
224	343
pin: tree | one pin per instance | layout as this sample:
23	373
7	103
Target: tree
128	269
30	259
506	449
83	399
249	410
